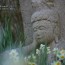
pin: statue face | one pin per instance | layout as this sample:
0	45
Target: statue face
45	25
43	31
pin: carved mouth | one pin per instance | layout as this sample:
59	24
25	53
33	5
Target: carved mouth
39	37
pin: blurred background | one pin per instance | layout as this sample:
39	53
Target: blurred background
11	25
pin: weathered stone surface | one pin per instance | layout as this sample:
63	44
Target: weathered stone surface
60	7
28	7
45	25
42	4
26	11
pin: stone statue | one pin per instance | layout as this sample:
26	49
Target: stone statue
45	26
50	19
46	29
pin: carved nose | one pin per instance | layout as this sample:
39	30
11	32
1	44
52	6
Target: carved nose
38	34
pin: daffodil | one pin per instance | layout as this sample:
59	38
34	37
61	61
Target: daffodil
48	50
56	50
14	55
62	51
61	56
37	51
42	46
25	58
33	56
29	56
48	47
31	63
56	63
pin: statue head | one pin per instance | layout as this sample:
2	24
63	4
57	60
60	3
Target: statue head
45	25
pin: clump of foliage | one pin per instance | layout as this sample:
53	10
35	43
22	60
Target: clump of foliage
8	41
40	57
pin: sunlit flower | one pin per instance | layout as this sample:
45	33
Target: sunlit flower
48	50
55	50
48	47
14	55
25	58
25	61
56	63
33	56
37	51
61	56
29	56
62	51
42	46
31	63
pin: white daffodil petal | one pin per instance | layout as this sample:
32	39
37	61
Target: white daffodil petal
37	51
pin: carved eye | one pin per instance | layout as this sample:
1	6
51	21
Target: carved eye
34	29
42	27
